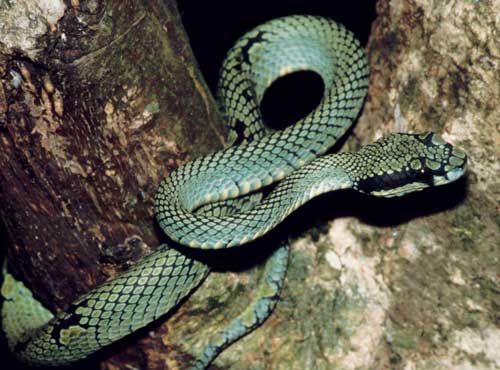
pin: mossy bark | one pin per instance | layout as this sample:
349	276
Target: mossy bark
105	100
435	66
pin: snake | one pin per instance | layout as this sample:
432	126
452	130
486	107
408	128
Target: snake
236	195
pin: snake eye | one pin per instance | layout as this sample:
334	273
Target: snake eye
424	175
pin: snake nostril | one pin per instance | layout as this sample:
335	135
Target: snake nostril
291	98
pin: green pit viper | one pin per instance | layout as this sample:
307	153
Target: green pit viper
214	202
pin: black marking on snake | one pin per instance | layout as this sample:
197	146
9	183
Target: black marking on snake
72	320
245	49
21	346
394	180
237	85
226	70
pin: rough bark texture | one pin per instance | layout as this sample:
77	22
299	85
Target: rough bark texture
99	100
435	66
95	112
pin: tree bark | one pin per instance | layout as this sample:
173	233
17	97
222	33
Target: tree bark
100	100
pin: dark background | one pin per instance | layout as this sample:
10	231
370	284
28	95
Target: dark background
285	102
214	26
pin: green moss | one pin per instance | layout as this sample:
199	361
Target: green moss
409	94
449	282
467	224
300	265
107	22
403	339
153	107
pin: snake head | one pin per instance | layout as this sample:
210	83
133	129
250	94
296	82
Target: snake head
445	162
399	164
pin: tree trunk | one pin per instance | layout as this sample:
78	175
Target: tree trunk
100	100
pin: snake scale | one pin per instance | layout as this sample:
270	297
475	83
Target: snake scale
214	202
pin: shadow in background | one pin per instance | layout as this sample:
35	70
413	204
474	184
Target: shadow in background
213	27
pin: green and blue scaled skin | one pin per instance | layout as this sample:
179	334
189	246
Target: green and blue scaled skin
214	202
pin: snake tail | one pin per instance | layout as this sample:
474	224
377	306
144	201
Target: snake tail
104	315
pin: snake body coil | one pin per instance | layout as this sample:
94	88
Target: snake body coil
213	202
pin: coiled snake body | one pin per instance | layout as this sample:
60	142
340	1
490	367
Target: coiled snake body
213	202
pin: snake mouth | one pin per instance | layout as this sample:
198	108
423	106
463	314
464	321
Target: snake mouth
449	177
